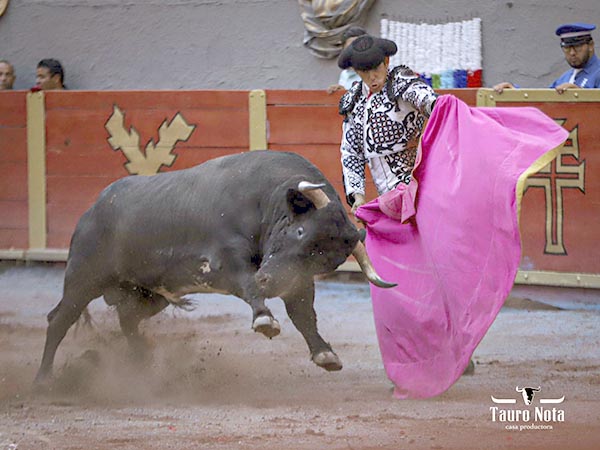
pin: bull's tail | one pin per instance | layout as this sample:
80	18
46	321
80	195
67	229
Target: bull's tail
179	302
183	303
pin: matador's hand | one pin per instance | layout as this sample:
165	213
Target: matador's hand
359	200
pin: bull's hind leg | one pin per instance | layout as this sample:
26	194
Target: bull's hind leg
134	304
300	309
60	319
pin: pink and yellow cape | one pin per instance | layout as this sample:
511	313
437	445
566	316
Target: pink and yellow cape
453	244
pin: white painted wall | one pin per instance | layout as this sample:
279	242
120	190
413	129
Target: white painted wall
247	44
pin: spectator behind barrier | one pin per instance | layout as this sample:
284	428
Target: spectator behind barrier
578	47
50	75
347	76
7	75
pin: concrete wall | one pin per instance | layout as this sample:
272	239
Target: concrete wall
246	44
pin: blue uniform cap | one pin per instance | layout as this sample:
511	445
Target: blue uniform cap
575	33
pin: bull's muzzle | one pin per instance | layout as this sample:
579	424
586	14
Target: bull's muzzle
263	280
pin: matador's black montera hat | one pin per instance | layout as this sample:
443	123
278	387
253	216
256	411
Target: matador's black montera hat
366	52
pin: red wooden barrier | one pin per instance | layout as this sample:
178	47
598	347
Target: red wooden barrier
308	123
94	138
13	171
561	207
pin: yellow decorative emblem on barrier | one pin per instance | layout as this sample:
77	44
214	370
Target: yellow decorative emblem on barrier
3	6
553	178
154	157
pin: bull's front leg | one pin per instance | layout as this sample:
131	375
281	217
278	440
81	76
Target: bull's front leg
299	306
266	324
262	318
238	278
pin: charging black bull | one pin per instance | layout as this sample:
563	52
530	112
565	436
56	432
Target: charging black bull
255	225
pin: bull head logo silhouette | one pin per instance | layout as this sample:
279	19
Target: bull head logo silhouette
528	393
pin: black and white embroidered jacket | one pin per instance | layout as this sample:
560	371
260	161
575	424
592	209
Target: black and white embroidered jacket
377	128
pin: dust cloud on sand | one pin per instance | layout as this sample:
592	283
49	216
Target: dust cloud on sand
211	382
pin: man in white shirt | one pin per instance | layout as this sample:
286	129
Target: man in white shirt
347	76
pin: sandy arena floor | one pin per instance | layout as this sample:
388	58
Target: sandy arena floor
214	384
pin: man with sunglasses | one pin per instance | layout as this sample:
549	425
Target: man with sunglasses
578	47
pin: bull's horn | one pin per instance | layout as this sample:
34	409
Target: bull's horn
314	193
518	390
360	253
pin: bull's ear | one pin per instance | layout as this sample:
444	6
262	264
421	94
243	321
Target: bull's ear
298	202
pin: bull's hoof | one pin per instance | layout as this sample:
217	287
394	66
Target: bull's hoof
470	370
328	361
266	325
42	383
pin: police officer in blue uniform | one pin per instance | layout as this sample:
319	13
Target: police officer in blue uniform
578	47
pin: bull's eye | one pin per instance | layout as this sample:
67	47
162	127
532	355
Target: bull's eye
300	232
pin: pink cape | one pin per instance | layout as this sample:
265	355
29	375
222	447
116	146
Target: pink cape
453	245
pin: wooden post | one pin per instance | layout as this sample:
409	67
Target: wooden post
36	169
257	106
